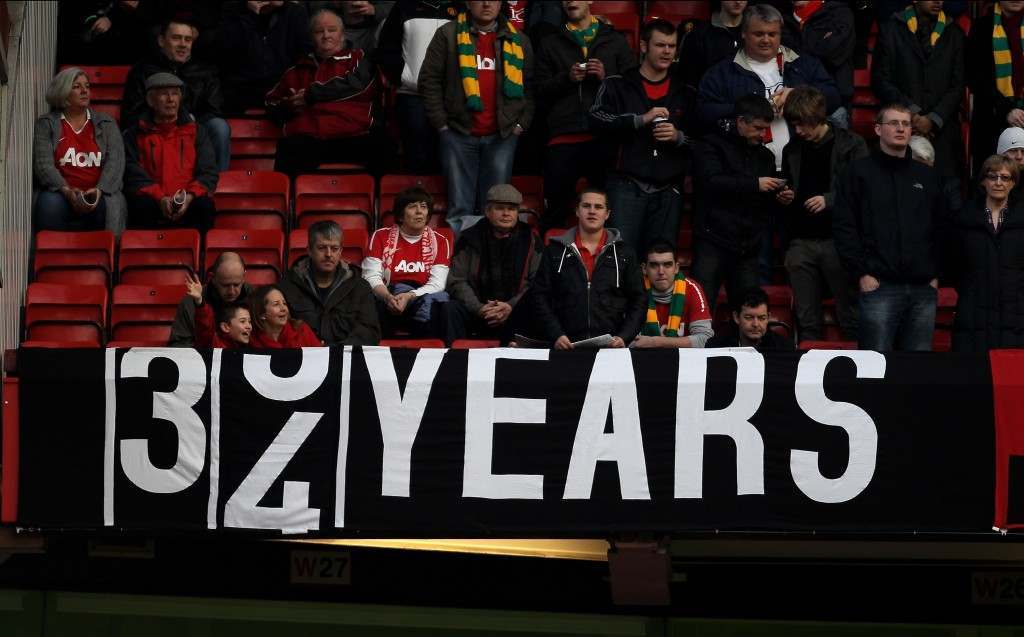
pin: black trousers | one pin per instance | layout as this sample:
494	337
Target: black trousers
298	154
713	265
144	213
459	322
564	164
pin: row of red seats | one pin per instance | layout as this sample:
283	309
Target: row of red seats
263	199
164	257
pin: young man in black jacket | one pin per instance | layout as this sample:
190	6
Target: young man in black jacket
735	186
888	213
571	64
643	112
826	31
202	97
705	44
811	164
589	282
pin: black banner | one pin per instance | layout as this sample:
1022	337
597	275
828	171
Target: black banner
504	442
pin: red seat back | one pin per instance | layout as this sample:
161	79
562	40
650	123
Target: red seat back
262	251
252	199
57	312
332	197
106	83
158	257
77	258
144	313
354	246
391	185
420	343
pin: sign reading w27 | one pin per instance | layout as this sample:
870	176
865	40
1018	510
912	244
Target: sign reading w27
508	442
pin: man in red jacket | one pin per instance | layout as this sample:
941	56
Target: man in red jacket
170	168
326	103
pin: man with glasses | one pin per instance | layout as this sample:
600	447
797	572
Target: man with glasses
888	212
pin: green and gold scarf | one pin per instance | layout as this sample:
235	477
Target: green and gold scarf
940	25
1001	53
675	309
583	37
512	62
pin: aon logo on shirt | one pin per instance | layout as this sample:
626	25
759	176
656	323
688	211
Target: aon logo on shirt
81	160
410	266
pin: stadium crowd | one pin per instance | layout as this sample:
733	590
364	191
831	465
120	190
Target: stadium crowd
753	108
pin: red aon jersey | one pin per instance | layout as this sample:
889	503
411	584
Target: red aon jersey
408	264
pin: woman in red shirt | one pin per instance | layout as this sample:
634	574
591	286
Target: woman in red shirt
407	267
274	328
78	161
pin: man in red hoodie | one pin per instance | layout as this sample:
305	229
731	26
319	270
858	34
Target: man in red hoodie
170	168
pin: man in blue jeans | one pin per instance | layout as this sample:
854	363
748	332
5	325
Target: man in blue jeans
889	210
475	83
643	112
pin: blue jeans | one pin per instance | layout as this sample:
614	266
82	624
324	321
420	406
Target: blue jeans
897	316
420	308
643	217
53	212
471	165
220	135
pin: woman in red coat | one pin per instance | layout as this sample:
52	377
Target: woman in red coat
274	328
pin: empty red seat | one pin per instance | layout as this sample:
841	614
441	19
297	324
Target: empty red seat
354	246
828	345
532	187
106	83
298	240
419	343
59	344
252	199
601	7
55	312
391	185
143	314
78	258
474	343
337	197
628	24
863	121
676	12
253	140
945	314
158	257
262	251
112	109
552	233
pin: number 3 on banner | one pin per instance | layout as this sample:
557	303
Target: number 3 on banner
294	515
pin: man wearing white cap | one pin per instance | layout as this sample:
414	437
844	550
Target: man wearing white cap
1011	146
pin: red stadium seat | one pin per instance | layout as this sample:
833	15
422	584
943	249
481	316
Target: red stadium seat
676	12
106	83
59	344
628	24
55	312
74	258
252	200
253	141
391	185
418	343
474	343
828	345
143	314
945	314
601	7
354	246
112	109
298	240
552	233
863	121
158	257
337	197
532	187
262	251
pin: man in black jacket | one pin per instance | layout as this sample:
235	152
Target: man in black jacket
811	164
750	314
735	186
570	67
919	62
888	213
202	98
705	44
330	295
589	282
258	42
643	112
826	31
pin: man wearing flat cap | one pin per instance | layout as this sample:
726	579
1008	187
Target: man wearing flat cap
494	263
170	168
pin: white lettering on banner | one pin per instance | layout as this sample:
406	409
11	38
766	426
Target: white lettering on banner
863	435
81	160
400	415
410	266
693	421
176	408
483	409
242	510
612	385
294	515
